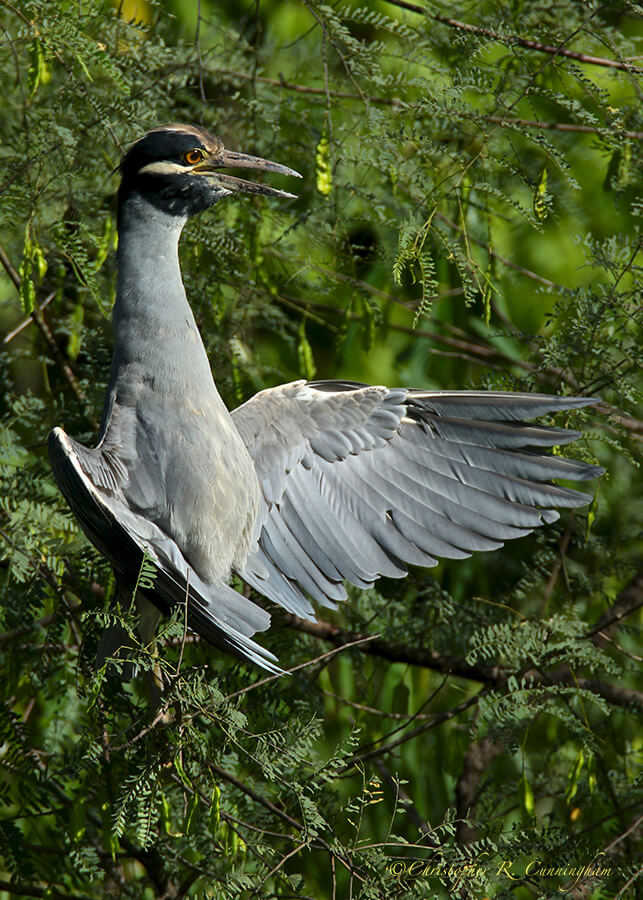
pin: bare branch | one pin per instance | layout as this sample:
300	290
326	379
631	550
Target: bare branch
494	676
562	126
527	43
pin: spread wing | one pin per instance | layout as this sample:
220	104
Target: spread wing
89	480
361	481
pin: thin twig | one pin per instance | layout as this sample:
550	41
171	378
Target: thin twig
278	866
564	126
305	89
630	881
571	127
439	719
28	321
628	601
51	342
275	810
527	43
310	662
403	800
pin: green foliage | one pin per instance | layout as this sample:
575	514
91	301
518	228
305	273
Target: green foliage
469	217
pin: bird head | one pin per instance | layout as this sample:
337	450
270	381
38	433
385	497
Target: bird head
179	169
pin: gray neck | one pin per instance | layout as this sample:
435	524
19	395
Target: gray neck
149	287
155	335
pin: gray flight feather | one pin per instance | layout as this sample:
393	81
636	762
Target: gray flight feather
362	481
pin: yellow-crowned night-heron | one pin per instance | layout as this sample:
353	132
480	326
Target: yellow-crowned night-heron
305	486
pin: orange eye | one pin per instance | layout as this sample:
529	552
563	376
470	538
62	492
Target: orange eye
192	157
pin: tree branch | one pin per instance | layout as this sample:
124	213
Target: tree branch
396	102
527	43
34	890
561	126
494	676
404	653
477	758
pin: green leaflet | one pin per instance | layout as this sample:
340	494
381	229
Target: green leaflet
486	293
146	576
305	354
574	776
75	333
110	839
237	358
416	259
188	821
368	325
107	243
323	173
591	512
541	201
214	816
38	72
32	268
178	765
526	794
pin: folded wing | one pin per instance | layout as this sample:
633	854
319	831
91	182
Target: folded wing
89	480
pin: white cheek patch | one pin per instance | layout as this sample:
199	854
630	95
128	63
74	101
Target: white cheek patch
164	168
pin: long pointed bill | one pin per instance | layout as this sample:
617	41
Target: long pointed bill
228	158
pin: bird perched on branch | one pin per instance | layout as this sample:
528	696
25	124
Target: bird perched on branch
307	485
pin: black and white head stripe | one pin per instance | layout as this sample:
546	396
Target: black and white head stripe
162	150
